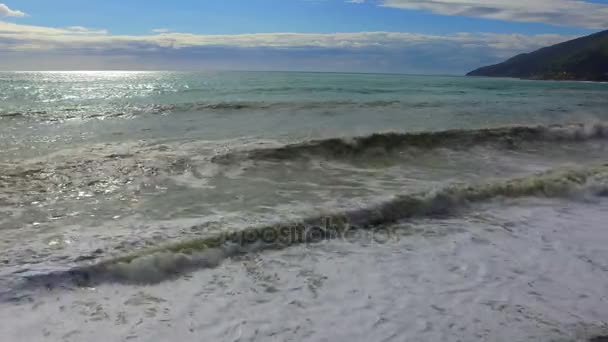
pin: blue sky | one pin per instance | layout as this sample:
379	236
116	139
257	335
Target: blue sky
254	16
413	36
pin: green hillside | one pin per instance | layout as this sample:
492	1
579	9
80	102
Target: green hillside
584	59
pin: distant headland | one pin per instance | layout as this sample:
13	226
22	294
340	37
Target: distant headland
581	59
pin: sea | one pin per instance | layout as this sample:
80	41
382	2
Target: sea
286	206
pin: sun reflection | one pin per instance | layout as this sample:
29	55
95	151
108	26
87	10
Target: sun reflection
111	74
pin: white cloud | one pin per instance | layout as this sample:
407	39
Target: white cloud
161	30
85	31
34	46
556	12
18	37
7	12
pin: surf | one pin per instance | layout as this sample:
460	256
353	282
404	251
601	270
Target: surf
161	263
360	146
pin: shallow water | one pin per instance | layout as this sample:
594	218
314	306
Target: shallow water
492	192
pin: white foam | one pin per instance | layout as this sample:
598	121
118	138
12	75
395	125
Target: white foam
527	271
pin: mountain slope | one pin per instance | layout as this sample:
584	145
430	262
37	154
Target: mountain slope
584	59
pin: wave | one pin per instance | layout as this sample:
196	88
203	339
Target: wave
320	89
14	115
165	262
261	105
126	110
337	148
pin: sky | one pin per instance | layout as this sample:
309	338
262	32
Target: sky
395	36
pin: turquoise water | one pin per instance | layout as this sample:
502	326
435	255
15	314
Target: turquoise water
90	149
42	108
118	183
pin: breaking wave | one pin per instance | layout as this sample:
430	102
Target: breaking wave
506	137
165	262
